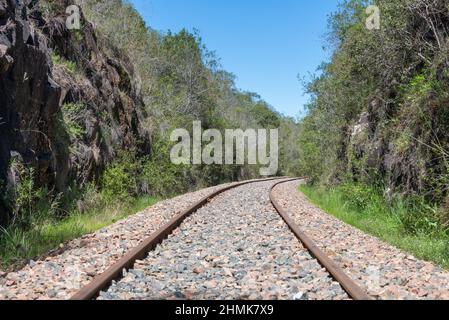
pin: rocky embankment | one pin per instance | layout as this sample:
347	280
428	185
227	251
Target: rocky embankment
67	104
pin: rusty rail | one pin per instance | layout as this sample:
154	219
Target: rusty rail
93	289
348	284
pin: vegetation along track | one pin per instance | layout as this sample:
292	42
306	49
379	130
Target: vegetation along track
219	253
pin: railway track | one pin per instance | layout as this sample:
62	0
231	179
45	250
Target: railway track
231	244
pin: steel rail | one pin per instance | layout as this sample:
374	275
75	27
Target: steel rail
349	285
99	283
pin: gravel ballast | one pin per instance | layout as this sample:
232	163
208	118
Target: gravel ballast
236	247
60	276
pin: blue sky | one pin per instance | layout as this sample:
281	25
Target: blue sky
265	43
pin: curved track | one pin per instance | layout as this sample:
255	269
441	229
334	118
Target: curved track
203	207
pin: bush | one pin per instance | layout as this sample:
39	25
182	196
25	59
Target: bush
30	206
421	218
28	203
159	176
161	179
120	178
42	221
360	196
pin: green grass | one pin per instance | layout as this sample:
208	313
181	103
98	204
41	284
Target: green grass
70	66
410	228
18	245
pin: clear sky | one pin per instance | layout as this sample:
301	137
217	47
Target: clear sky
265	43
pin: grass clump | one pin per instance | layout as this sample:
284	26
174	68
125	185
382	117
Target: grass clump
72	119
409	224
19	244
70	66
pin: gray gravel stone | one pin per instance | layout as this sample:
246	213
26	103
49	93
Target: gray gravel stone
83	258
239	248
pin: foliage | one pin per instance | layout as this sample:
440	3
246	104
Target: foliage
360	196
374	142
179	81
119	180
159	176
377	111
68	65
18	244
71	116
29	202
265	116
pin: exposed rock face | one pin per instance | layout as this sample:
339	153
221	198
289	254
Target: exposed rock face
29	98
35	92
381	149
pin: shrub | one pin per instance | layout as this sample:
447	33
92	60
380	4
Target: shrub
159	176
30	206
120	178
359	196
23	196
421	218
164	179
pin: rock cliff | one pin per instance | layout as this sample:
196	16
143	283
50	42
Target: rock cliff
67	105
